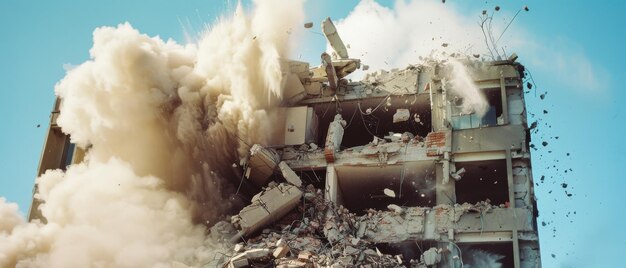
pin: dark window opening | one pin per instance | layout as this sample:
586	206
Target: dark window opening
492	117
363	187
482	180
375	117
68	154
315	177
410	250
487	255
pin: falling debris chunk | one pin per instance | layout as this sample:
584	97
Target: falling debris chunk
308	25
401	115
289	175
444	45
389	192
545	143
431	257
458	174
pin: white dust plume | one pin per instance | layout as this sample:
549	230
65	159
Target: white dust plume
386	38
462	85
163	124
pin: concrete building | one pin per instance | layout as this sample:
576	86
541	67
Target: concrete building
407	154
402	162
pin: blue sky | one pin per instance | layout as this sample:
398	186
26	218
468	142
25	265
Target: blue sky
574	50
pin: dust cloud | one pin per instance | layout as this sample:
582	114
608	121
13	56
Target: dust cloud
163	123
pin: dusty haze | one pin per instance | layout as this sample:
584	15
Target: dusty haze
161	120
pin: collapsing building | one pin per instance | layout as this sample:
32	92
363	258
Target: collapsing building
427	166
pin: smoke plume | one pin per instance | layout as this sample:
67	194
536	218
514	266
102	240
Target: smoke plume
163	124
412	31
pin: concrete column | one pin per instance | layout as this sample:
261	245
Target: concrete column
505	104
509	173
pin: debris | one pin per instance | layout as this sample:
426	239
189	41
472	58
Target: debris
401	115
395	208
281	252
458	174
289	175
261	164
389	192
308	25
444	45
270	205
497	8
431	257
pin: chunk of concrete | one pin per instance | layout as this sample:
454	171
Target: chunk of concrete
334	138
457	175
261	164
271	205
238	261
395	208
389	192
281	252
289	175
401	115
431	256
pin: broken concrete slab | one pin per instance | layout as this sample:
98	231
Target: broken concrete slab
289	175
270	206
401	115
281	252
261	164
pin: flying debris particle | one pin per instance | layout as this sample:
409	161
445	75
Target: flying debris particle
389	192
444	45
529	85
567	154
254	38
533	125
543	223
308	25
553	256
542	96
544	143
484	12
526	8
564	185
542	178
234	165
476	56
545	111
497	8
38	125
395	208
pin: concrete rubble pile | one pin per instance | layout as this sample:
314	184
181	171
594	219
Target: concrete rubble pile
317	233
